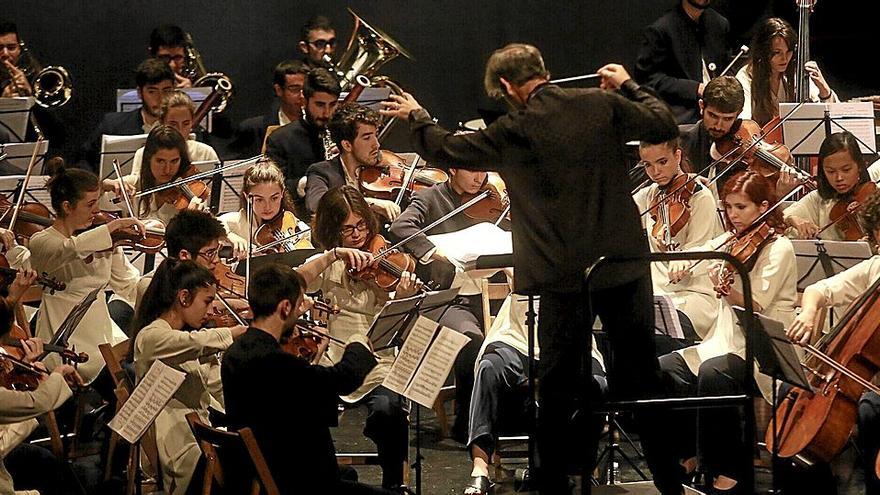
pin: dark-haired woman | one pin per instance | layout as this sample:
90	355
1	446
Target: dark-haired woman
716	366
842	170
344	220
165	326
768	78
84	259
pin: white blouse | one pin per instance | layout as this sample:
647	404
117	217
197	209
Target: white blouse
237	229
745	78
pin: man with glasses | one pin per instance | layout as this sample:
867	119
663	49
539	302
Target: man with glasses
317	39
288	80
168	42
154	80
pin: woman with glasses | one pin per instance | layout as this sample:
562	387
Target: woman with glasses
343	225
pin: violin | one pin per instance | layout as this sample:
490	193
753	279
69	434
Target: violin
307	341
843	213
32	218
672	211
768	157
386	270
274	232
385	179
7	276
745	247
17	374
229	281
496	205
218	315
180	197
150	242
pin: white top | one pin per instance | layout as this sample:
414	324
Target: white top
845	287
237	230
774	287
782	96
817	210
178	451
694	296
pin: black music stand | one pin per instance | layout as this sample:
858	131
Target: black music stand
14	115
776	358
293	258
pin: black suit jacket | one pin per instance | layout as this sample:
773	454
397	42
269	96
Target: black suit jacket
669	60
294	147
562	159
114	123
320	178
695	142
250	134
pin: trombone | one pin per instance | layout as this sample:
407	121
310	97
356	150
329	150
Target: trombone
52	86
194	70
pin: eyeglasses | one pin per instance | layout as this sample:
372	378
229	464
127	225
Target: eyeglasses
348	230
294	89
172	58
322	44
210	255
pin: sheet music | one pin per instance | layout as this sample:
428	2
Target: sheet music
465	246
411	354
149	397
120	148
19	155
855	117
14	114
431	374
666	321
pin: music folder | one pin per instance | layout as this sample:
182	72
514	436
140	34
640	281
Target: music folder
774	352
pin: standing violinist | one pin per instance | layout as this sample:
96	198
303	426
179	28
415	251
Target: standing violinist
769	77
465	314
560	151
168	328
693	297
344	220
839	292
842	174
716	365
354	129
273	208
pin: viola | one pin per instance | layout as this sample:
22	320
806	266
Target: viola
672	211
386	271
768	157
7	276
494	206
307	340
218	315
385	179
32	218
150	242
745	247
17	374
844	212
180	197
229	281
274	232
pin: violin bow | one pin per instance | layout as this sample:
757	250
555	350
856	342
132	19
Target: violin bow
24	184
294	238
407	180
249	205
201	175
232	312
125	198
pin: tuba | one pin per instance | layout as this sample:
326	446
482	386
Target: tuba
194	70
368	49
52	85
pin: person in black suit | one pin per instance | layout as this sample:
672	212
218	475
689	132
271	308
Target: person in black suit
299	144
154	80
676	52
561	154
295	441
288	80
317	39
354	130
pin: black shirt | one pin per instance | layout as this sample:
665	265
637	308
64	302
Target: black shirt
294	147
290	405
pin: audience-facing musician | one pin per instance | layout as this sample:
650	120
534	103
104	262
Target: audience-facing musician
168	42
287	82
317	39
842	172
344	220
716	365
676	52
768	78
299	144
167	154
174	305
693	297
839	292
354	130
295	442
154	80
273	209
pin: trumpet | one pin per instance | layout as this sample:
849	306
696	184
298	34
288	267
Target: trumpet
194	70
52	86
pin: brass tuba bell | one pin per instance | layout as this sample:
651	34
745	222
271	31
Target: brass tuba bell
194	70
52	87
368	49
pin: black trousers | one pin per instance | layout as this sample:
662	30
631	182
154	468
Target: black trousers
627	315
36	468
388	427
719	432
868	439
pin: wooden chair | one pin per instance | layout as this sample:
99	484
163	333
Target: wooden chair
269	131
146	474
231	454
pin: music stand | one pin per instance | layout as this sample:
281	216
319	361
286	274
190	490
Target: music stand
666	320
128	100
19	155
14	115
806	118
776	358
818	259
293	259
121	149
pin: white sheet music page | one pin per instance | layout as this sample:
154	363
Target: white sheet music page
431	375
411	354
465	246
149	397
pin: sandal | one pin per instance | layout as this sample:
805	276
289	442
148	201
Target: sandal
479	485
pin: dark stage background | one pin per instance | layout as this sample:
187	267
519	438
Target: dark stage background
101	41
